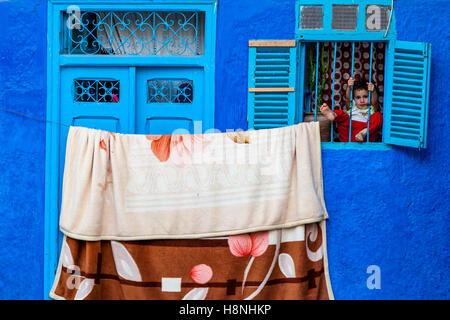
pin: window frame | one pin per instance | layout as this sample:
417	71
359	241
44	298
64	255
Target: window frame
327	34
57	60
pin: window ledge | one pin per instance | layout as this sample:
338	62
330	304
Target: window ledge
356	146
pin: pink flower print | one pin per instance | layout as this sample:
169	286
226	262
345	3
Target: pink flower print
160	145
105	140
181	150
240	245
103	145
260	242
254	244
243	244
201	273
178	147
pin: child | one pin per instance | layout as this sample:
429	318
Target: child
359	113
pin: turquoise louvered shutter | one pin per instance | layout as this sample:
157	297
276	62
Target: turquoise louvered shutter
271	83
406	108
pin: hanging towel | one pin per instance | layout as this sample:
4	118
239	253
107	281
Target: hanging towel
186	186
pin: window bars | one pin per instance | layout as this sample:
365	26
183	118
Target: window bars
329	65
170	91
90	90
157	33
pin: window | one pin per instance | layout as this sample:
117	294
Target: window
336	40
311	17
161	33
344	17
89	90
171	91
333	63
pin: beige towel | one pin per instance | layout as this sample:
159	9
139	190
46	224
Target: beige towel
135	187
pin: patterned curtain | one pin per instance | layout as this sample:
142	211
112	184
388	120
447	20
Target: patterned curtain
344	68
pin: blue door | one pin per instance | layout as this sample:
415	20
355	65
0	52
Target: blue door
168	99
96	97
93	97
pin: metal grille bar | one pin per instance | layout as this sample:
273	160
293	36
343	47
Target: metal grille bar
91	90
173	33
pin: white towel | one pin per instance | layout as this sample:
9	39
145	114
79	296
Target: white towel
134	187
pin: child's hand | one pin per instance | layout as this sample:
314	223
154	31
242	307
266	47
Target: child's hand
370	86
325	110
351	82
361	136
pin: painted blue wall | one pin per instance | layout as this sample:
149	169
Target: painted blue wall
22	148
387	208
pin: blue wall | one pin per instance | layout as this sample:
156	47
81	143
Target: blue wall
387	208
22	148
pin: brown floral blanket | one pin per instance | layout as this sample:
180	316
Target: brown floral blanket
279	264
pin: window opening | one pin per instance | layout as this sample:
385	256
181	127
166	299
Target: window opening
335	63
154	33
170	91
344	17
90	90
311	17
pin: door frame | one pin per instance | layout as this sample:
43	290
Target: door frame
55	61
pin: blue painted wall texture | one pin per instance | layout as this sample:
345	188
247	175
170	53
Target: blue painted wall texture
387	208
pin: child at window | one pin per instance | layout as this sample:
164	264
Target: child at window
359	113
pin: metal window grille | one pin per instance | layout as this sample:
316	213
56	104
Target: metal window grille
170	91
344	17
90	90
377	18
311	17
158	33
334	63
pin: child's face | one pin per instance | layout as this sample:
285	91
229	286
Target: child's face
361	98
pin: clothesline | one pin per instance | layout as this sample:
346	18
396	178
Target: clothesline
33	117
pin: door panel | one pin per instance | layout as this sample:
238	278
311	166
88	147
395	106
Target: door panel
96	98
169	99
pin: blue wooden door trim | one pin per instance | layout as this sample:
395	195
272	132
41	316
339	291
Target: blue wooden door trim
55	61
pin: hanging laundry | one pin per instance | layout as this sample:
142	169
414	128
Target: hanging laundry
172	216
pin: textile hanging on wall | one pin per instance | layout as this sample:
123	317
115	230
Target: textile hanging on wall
288	264
209	216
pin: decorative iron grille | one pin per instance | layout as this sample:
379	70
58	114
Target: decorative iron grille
170	91
344	17
90	90
134	33
311	17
